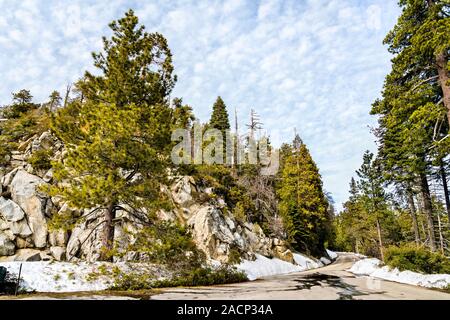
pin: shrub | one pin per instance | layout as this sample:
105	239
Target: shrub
202	276
40	159
168	244
418	259
234	257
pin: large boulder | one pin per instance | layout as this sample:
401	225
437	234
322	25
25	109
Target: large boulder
85	242
182	191
24	192
13	218
10	211
7	247
59	253
24	255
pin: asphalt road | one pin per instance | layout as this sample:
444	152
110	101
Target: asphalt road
328	283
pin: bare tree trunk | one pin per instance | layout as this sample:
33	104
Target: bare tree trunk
444	183
428	210
441	238
380	240
108	232
66	98
441	63
413	213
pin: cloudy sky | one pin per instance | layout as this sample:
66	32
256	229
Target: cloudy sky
313	65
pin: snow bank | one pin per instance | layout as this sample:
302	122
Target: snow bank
333	255
306	263
45	276
325	261
263	266
374	268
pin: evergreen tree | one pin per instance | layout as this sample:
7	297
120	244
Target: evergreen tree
413	129
303	205
118	135
373	195
421	41
54	100
22	103
219	117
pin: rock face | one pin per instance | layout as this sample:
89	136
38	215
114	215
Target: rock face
23	221
7	247
25	211
24	193
217	233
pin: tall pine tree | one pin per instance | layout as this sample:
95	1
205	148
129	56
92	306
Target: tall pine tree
118	134
219	117
303	205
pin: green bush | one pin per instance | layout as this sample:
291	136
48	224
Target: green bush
169	244
40	159
418	259
202	276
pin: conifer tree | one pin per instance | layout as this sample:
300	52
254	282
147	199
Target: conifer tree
22	103
373	195
118	136
219	117
303	205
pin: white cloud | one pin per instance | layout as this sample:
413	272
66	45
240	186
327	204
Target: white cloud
316	65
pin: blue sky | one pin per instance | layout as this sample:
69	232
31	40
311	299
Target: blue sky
313	65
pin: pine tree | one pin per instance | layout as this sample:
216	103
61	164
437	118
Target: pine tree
22	103
421	40
373	195
136	67
413	128
54	100
303	205
118	135
219	117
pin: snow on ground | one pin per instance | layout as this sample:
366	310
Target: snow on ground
45	276
325	261
374	268
306	263
263	266
333	255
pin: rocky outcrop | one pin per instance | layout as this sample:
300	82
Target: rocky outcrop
7	247
217	232
25	212
24	192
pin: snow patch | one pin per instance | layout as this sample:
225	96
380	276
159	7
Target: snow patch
53	276
325	261
264	267
45	276
306	263
374	268
333	255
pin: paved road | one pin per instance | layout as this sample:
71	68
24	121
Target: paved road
328	283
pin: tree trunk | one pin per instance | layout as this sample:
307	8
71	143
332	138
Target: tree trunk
441	237
380	240
108	233
441	63
428	210
413	213
444	183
